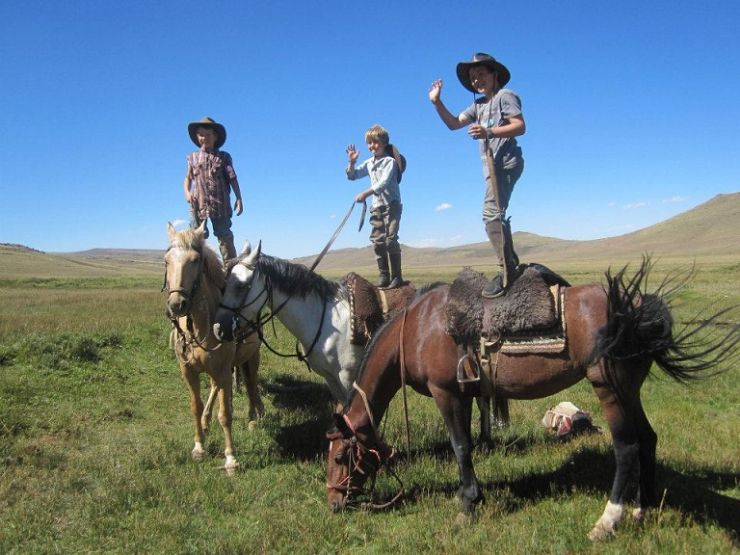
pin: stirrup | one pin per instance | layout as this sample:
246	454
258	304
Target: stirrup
494	289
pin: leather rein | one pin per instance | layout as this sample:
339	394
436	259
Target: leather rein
256	326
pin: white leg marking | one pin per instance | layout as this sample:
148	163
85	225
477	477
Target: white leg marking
607	523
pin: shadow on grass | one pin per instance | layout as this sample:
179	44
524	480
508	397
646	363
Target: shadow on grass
692	492
303	440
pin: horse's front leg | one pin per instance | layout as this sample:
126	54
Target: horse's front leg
192	380
456	411
225	417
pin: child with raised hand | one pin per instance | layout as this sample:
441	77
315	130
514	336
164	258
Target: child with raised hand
495	120
384	169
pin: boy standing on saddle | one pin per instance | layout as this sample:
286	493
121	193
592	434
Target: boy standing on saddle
384	169
494	120
208	183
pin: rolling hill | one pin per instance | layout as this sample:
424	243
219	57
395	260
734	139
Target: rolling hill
708	231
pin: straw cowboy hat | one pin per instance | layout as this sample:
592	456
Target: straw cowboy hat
209	123
482	59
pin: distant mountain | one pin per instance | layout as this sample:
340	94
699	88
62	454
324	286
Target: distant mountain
710	230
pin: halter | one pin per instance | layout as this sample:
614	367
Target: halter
366	461
189	296
256	325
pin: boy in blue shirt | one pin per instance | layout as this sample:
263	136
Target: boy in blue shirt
384	170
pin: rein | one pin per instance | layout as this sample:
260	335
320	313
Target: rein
360	462
189	296
256	326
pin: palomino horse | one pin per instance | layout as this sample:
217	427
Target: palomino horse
315	310
613	337
194	278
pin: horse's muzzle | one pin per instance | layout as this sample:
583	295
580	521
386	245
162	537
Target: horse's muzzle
178	305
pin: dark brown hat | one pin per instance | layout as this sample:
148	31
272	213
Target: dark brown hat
482	59
211	124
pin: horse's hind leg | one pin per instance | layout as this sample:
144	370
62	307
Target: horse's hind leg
484	406
500	411
646	496
205	419
457	412
627	452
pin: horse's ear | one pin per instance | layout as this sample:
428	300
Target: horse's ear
251	259
247	249
342	425
171	231
201	229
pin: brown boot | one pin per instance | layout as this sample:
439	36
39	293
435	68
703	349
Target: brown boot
226	246
384	278
396	277
497	235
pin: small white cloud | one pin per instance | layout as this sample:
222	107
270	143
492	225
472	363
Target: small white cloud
180	223
676	198
442	207
333	217
458	237
611	204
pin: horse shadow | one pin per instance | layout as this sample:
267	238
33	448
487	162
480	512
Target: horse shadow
693	492
303	440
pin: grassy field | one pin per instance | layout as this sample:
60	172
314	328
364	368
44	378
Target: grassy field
95	439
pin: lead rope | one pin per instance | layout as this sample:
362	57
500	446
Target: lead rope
402	365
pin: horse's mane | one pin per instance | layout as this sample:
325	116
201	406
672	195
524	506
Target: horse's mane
189	239
296	279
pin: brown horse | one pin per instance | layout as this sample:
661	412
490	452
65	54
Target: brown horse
194	280
614	334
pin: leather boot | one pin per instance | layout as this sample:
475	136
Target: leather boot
226	246
383	271
396	276
509	243
497	235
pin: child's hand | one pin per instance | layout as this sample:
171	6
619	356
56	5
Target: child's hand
435	91
238	207
477	131
352	153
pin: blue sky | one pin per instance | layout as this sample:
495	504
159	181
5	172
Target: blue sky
631	110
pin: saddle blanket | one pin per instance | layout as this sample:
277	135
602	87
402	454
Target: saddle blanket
528	318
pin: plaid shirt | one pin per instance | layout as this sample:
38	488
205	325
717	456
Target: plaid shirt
211	174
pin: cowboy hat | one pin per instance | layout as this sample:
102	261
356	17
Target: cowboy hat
482	59
208	123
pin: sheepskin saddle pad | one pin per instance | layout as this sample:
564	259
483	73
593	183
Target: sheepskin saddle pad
528	306
369	305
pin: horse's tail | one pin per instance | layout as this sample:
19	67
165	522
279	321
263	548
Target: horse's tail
640	326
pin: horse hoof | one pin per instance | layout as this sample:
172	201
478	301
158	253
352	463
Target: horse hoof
463	520
600	533
198	454
638	515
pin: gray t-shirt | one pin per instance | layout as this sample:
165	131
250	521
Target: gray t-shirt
504	105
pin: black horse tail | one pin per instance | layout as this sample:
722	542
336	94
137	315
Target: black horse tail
641	326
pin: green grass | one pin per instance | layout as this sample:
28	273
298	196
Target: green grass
95	439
